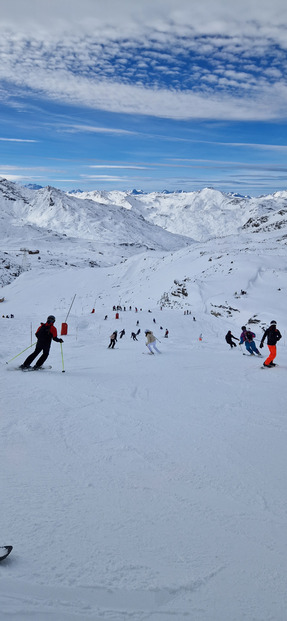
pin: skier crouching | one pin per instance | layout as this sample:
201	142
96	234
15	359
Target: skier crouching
151	342
45	333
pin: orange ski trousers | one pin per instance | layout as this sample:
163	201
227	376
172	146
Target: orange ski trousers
272	355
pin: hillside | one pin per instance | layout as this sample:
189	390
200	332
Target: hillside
95	235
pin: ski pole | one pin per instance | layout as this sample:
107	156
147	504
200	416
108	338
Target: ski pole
240	345
21	352
63	370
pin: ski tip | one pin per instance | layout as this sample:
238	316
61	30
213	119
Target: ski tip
4	554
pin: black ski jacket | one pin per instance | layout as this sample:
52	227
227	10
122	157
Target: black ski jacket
273	335
229	337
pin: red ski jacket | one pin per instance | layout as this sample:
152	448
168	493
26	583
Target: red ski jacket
46	332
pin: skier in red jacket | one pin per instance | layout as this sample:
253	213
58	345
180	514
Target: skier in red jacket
45	333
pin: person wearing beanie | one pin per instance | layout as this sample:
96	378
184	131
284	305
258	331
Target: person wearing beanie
273	336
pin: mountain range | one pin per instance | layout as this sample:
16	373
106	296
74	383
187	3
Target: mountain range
177	241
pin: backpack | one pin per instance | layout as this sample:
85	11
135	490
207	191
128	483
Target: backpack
43	332
249	335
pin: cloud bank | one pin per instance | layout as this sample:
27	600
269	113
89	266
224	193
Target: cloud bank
172	59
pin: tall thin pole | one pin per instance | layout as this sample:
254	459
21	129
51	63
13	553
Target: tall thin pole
70	307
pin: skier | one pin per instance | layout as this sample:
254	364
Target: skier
45	333
113	339
122	333
134	336
229	337
247	337
166	334
151	341
273	335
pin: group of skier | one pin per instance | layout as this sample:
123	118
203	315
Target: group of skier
272	334
47	332
150	339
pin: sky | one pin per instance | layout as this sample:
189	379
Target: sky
147	94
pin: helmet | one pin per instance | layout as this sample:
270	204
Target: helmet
273	323
243	327
51	319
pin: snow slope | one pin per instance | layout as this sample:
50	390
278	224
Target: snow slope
142	487
138	487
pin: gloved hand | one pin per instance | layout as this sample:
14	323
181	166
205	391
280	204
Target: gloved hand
261	345
61	341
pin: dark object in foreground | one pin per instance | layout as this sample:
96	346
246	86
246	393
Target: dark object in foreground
4	551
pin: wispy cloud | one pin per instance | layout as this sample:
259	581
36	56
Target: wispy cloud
111	166
105	178
74	129
17	140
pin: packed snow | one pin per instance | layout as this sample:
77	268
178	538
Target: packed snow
134	486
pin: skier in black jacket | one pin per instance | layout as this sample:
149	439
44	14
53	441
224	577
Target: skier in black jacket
113	339
273	335
45	333
229	337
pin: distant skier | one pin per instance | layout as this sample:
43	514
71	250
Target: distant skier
247	337
151	341
273	336
113	339
138	332
134	336
122	333
45	333
166	334
229	337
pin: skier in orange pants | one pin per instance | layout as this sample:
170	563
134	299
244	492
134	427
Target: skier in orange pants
273	335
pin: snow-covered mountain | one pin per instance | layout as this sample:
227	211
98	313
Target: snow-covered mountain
94	234
203	214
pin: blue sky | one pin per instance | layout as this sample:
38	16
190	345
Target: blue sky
146	94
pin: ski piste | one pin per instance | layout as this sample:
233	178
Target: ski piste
5	551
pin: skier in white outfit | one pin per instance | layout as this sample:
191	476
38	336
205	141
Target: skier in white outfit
151	342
